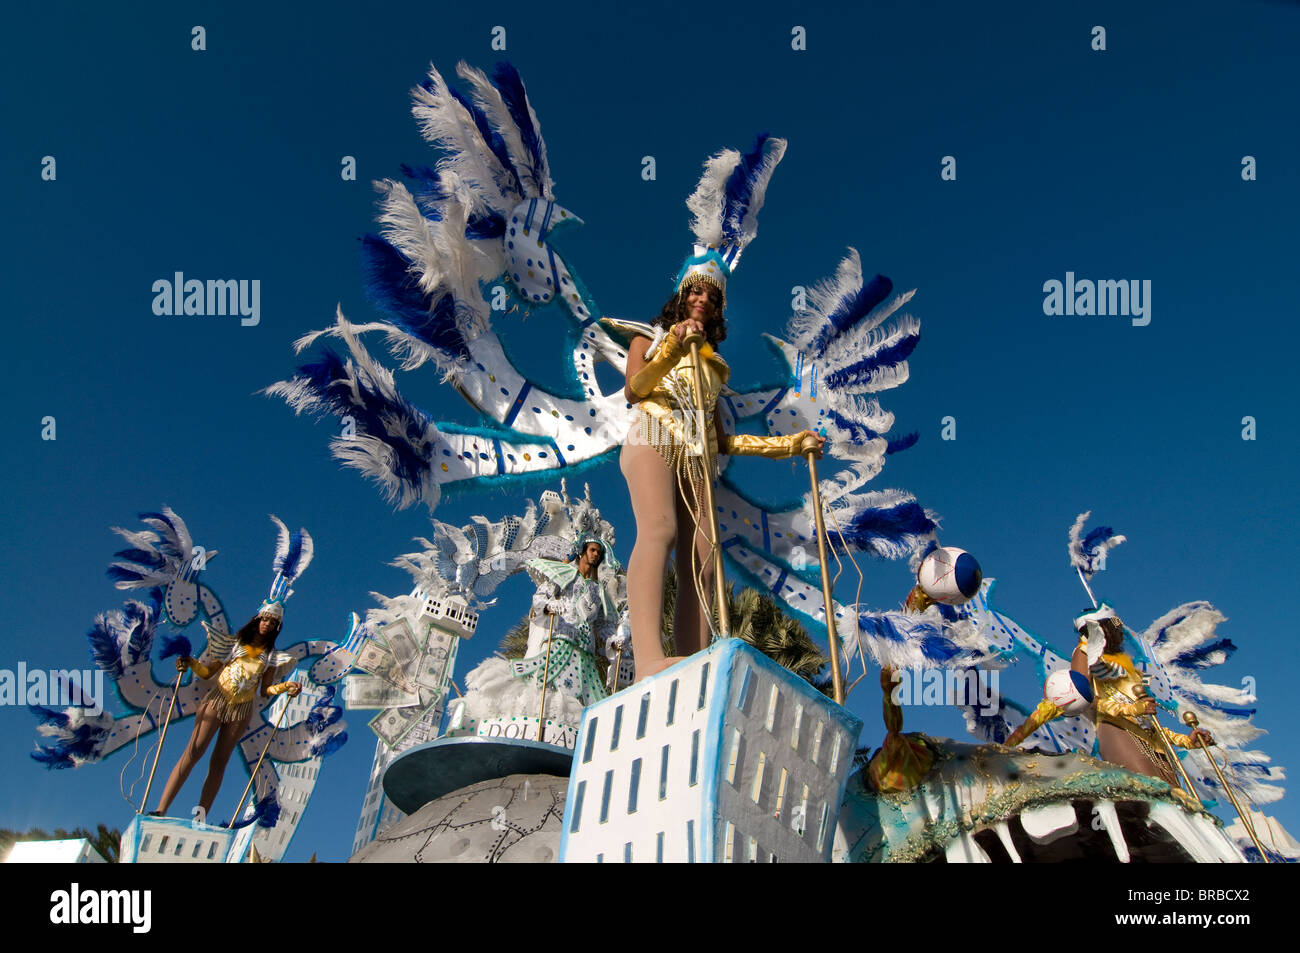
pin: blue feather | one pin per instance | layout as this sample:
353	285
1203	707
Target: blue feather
82	742
287	565
176	645
166	545
374	415
429	194
390	287
1201	657
1098	535
894	524
430	197
934	645
491	137
859	433
49	716
122	574
142	557
487	227
740	190
104	648
268	811
902	443
860	371
141	622
265	814
331	744
324	713
53	758
508	82
851	309
992	727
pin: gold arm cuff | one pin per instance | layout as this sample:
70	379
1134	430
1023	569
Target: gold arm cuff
752	445
643	382
199	669
1045	712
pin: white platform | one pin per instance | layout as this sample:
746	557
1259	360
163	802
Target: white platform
724	757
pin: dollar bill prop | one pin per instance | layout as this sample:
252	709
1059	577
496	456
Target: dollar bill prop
393	724
399	671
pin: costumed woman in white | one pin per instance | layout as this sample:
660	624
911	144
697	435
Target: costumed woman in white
574	611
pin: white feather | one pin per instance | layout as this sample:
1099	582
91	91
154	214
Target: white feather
709	198
1078	559
866	340
446	123
375	460
306	552
179	534
488	98
823	298
281	540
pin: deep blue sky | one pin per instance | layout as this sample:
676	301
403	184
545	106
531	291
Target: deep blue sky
225	164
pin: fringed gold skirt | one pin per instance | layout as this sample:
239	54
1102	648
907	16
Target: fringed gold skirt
227	709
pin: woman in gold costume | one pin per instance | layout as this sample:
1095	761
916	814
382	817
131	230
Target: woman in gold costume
240	685
1128	732
662	462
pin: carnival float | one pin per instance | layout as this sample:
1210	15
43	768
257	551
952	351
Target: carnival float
560	752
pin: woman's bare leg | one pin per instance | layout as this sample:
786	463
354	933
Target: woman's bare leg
653	488
227	738
691	616
206	724
1118	747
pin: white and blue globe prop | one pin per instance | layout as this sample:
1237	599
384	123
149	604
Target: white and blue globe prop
950	575
1069	691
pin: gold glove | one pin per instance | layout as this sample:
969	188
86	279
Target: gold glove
1045	712
752	445
644	381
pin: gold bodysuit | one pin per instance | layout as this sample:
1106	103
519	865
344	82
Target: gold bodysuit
238	684
667	417
1118	704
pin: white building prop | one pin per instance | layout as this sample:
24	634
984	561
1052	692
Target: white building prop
173	840
725	757
443	621
74	850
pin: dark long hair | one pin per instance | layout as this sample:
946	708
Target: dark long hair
674	310
250	634
1114	632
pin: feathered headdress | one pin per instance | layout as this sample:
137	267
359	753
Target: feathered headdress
726	204
293	553
587	525
1088	554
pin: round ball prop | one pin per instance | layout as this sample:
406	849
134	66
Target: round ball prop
1069	691
950	575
